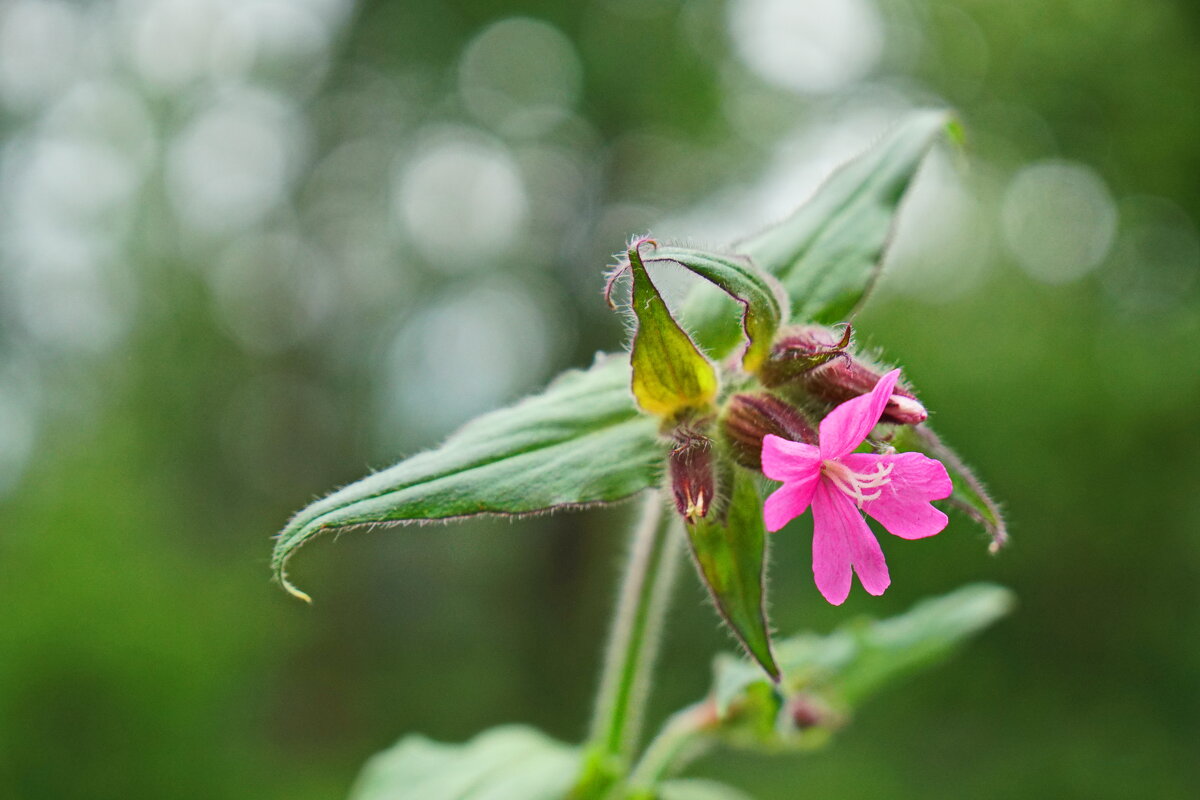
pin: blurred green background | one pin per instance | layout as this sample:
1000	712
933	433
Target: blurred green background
250	249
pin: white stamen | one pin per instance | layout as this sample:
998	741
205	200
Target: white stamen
854	483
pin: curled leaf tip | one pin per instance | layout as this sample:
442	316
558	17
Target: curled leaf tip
764	302
632	250
999	541
635	243
610	281
294	592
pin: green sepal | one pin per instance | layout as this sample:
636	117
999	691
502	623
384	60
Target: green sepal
670	374
729	549
764	304
969	496
580	442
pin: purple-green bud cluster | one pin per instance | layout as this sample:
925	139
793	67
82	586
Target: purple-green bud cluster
824	366
807	363
751	416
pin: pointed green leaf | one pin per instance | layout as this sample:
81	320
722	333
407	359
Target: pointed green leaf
922	637
670	373
581	441
831	675
730	553
764	303
512	762
828	254
970	496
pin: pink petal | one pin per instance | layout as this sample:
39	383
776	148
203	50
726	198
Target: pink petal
903	504
844	428
841	542
783	460
789	501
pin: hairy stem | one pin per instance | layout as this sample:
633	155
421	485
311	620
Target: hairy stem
684	737
632	649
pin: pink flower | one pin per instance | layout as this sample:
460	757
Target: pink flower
894	488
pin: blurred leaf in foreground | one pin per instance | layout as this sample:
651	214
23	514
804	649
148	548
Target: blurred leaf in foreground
513	762
826	677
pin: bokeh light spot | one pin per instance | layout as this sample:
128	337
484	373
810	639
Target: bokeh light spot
461	199
107	112
520	76
77	180
462	354
809	46
39	50
234	161
283	43
1059	220
71	300
67	204
172	41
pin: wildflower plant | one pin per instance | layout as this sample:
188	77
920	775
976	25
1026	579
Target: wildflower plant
753	388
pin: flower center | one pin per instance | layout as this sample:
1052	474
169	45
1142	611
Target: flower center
858	485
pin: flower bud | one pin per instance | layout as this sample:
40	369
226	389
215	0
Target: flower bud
815	359
848	378
801	350
750	417
692	477
808	711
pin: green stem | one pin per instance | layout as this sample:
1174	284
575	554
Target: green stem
632	649
682	738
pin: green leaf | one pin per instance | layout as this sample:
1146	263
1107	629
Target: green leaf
512	762
764	303
833	674
970	496
580	442
695	789
730	553
828	254
923	637
670	373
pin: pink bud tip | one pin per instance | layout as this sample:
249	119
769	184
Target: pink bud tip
905	410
